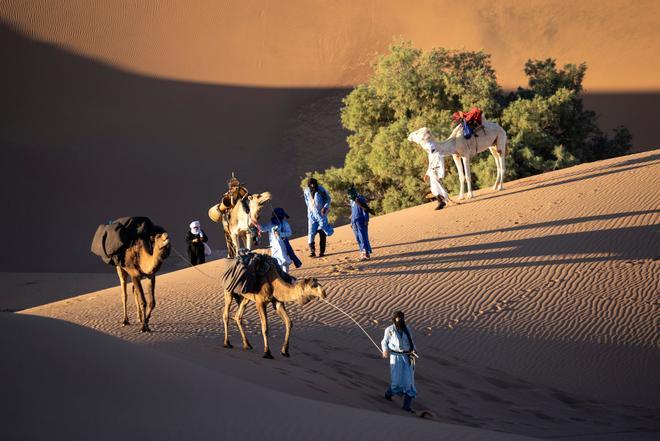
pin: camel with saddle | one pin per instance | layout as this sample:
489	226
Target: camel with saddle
488	135
239	213
270	286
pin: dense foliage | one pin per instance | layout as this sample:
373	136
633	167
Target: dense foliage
547	126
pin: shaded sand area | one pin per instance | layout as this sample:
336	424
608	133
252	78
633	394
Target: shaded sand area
26	290
534	310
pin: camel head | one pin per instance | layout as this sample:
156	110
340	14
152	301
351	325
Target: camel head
310	288
420	135
256	203
161	244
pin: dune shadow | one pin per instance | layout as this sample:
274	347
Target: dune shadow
553	223
629	243
82	142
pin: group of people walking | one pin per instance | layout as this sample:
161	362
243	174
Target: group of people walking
317	200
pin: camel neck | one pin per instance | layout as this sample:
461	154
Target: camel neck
149	263
285	292
446	147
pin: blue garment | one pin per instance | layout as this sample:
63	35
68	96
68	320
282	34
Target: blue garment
360	224
402	372
276	232
292	254
357	212
315	219
361	232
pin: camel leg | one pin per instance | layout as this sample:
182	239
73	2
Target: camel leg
500	142
496	157
248	240
261	309
225	318
151	298
461	175
235	239
281	311
468	175
238	318
141	302
122	282
138	306
500	158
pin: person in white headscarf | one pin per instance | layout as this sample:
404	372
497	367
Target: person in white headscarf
436	170
196	239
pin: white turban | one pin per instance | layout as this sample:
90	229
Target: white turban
195	225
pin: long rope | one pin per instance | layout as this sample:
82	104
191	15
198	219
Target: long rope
365	332
190	263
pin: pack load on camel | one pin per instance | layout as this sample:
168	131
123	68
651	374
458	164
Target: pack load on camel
239	212
136	248
470	121
221	212
259	279
247	269
112	239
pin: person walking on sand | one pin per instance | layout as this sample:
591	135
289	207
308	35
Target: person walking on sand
317	199
196	238
279	232
435	172
398	346
280	216
360	212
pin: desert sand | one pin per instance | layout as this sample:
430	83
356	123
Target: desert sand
102	100
534	310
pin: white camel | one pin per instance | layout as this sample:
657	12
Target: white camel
489	136
241	220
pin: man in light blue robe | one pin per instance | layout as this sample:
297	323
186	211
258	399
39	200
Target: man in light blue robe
317	199
360	211
277	231
398	346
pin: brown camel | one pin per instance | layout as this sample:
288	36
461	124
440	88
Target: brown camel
276	291
142	260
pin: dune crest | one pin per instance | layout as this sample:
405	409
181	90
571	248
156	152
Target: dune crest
303	44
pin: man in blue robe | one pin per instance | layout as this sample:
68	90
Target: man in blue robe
317	199
279	232
360	211
398	346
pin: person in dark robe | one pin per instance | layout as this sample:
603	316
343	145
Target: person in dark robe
196	238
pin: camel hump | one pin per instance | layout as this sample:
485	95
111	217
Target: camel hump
246	273
111	239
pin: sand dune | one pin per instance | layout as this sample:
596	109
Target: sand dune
123	391
317	44
26	290
120	108
533	308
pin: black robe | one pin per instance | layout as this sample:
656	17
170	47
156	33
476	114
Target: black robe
196	249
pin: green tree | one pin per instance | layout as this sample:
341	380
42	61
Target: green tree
409	89
546	124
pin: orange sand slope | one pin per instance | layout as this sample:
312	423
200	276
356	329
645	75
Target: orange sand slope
533	310
301	43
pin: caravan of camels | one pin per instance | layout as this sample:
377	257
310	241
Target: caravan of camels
138	252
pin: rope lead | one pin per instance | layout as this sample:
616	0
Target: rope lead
365	332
